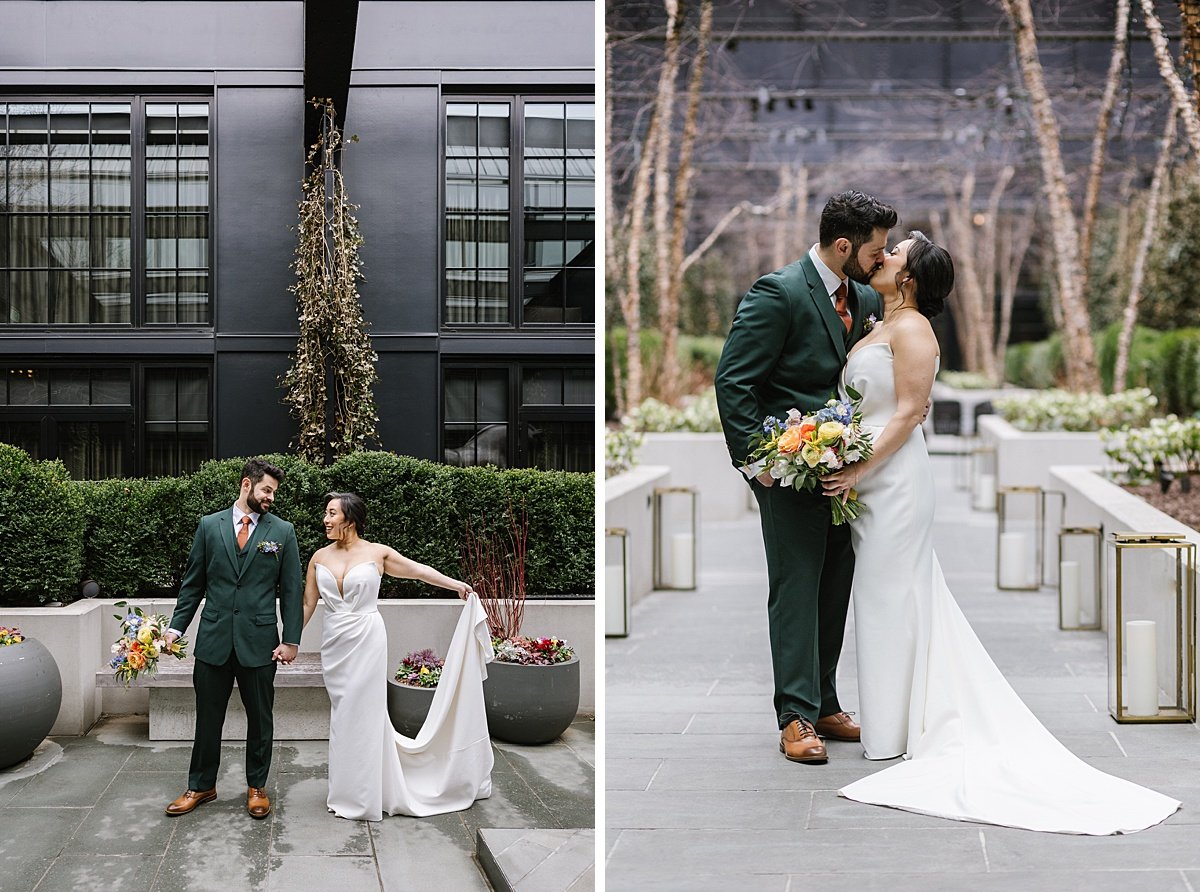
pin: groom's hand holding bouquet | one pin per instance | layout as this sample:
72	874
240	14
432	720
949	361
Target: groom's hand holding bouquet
800	451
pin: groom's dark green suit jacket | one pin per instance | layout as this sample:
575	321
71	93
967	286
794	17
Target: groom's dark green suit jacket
240	590
785	350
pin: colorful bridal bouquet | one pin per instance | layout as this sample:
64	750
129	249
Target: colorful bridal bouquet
142	642
420	669
800	451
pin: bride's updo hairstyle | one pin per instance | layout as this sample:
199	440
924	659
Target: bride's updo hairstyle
353	507
932	271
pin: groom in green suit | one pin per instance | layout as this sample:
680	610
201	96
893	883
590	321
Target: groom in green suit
786	349
242	561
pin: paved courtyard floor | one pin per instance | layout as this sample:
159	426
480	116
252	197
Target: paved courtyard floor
698	796
85	814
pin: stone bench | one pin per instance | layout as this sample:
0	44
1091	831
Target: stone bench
301	702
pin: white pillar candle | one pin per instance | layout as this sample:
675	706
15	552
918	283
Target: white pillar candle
1068	594
1014	560
1141	667
985	492
683	547
615	615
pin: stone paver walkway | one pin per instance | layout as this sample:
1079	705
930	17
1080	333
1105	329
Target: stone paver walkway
698	796
85	814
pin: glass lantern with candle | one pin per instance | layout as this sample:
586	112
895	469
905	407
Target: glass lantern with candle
983	478
675	526
1151	614
616	582
1019	531
1080	568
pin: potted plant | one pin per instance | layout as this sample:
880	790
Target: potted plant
410	692
31	691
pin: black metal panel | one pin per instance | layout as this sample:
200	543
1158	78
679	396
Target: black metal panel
158	34
475	35
409	401
250	418
260	164
393	172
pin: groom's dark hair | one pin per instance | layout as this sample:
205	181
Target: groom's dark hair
854	215
257	468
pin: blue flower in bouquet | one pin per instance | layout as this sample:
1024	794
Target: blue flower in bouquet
772	426
133	620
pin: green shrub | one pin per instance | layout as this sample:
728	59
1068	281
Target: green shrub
698	356
41	531
1144	352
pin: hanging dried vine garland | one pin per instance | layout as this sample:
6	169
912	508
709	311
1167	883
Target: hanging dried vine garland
334	347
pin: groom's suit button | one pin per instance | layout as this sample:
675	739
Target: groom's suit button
235	610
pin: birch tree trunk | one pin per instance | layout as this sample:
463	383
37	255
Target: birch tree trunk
669	300
1014	242
1166	67
610	229
1153	203
968	288
1080	355
783	216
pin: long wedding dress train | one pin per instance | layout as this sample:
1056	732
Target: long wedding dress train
927	687
372	768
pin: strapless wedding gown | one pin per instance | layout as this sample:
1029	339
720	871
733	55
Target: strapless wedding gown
372	768
928	689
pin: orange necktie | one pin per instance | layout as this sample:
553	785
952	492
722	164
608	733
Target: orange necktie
839	304
244	532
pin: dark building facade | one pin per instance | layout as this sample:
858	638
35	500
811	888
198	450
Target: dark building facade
151	156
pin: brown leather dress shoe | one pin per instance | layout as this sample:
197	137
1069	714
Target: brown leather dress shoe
838	726
257	802
799	743
189	800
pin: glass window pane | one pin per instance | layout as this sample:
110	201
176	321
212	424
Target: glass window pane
544	240
160	130
69	242
28	185
160	395
460	128
160	184
69	129
28	132
28	297
193	395
69	184
581	232
458	444
71	295
492	396
110	185
581	128
493	295
581	295
69	387
491	236
110	387
460	241
543	295
544	129
459	395
110	242
193	130
24	435
542	387
110	296
493	130
460	295
544	180
192	302
28	387
29	241
160	298
193	240
560	446
3	189
160	242
581	183
110	131
460	184
580	387
193	184
493	184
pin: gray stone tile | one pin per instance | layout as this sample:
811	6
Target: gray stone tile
305	826
832	812
78	778
1164	846
778	775
559	778
1026	881
307	757
649	722
73	872
758	722
691	810
174	756
629	774
411	850
29	835
513	803
129	818
217	847
581	738
348	874
537	860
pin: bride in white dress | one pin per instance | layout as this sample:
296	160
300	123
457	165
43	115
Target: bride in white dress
928	690
372	768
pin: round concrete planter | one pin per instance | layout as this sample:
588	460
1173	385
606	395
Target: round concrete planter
30	693
408	706
531	704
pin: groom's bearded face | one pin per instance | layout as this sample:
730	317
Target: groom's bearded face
262	495
863	263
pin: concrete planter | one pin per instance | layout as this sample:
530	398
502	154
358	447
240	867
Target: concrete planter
408	706
531	704
1024	458
700	461
30	697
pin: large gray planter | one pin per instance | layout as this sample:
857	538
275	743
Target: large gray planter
30	695
531	704
408	706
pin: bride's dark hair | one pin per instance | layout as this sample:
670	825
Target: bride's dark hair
353	507
932	271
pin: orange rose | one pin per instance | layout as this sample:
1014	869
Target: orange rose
789	440
136	660
806	429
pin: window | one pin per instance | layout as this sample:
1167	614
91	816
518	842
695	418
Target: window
99	420
84	212
535	267
519	415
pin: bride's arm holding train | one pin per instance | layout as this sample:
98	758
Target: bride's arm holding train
396	564
914	355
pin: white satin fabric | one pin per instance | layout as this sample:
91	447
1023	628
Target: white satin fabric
372	768
927	688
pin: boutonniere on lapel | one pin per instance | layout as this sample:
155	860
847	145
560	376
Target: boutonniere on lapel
268	547
869	323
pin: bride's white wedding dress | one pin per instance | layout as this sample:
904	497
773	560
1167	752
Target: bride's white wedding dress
372	768
928	689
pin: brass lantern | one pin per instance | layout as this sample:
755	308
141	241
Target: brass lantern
616	582
1151	614
1020	528
983	478
1080	576
676	509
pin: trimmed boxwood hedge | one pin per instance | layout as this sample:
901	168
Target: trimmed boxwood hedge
132	536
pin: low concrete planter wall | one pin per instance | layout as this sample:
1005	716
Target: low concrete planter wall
1024	458
629	504
81	634
700	461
